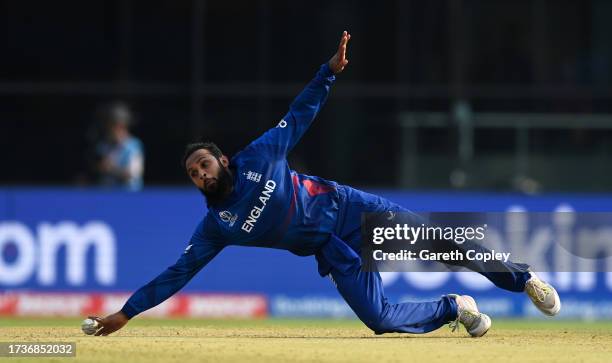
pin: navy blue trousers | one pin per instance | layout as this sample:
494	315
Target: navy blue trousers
363	290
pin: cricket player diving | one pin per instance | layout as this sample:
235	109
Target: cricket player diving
255	199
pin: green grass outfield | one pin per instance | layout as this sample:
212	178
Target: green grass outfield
296	340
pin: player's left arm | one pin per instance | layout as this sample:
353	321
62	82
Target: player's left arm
280	140
201	250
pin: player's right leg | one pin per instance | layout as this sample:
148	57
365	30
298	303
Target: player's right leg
363	292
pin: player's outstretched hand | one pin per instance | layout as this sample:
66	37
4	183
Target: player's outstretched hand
339	61
111	323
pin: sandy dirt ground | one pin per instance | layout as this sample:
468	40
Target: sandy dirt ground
153	341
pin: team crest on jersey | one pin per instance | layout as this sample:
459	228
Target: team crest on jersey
228	217
252	176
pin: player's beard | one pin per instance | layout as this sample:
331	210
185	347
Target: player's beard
225	183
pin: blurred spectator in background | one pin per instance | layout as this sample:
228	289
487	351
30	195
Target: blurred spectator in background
120	156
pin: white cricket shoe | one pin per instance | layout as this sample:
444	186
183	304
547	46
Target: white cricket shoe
543	296
476	323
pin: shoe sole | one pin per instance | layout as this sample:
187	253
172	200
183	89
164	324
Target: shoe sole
483	326
552	311
556	308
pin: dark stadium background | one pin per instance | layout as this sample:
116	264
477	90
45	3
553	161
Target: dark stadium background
227	70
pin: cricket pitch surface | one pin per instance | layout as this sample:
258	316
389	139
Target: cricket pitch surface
282	340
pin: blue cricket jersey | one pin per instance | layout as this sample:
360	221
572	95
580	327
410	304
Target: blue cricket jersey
270	205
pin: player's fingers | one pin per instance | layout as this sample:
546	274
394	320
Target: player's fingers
96	318
342	40
345	40
346	37
340	54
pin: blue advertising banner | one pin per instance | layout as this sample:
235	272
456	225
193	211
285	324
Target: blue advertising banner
110	241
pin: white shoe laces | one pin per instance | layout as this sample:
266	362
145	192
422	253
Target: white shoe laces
454	325
465	317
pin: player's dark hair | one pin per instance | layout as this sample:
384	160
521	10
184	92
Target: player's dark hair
207	145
